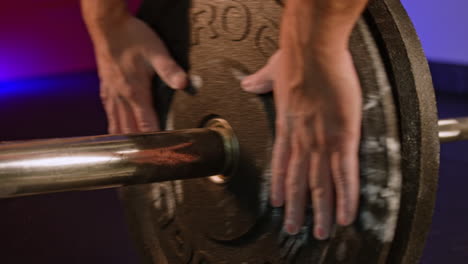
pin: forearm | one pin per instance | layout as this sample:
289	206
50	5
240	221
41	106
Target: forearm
312	25
99	15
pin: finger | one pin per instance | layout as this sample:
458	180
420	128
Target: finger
345	171
279	166
262	81
296	191
110	108
320	182
141	103
145	116
258	83
125	115
166	67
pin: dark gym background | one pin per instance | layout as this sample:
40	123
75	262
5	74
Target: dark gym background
49	88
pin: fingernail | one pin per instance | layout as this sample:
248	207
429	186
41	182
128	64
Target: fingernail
246	84
345	220
179	80
320	233
342	221
291	229
275	202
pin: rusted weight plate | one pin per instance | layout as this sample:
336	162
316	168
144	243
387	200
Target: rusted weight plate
199	221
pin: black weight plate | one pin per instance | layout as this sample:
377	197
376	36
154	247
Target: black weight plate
410	77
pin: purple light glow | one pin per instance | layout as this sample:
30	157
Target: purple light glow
48	37
442	27
40	38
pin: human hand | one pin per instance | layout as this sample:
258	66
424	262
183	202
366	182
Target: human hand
128	52
318	109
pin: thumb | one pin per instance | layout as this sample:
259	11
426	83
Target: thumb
257	83
262	81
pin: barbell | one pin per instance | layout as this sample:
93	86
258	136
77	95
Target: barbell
198	193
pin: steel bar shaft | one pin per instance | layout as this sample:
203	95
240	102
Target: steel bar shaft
454	129
43	166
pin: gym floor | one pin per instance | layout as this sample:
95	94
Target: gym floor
89	227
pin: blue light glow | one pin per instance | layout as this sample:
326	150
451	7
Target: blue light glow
62	85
